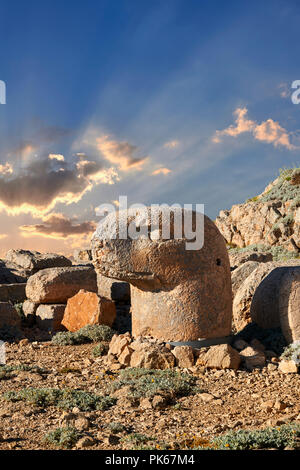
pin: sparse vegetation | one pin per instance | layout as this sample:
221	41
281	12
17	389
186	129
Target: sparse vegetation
292	352
116	427
271	437
64	438
278	252
62	398
87	334
149	382
100	350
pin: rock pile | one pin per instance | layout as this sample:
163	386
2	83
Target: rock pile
150	353
48	291
271	218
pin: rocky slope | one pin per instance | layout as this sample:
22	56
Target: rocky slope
271	219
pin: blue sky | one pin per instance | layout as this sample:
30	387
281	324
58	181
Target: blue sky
163	101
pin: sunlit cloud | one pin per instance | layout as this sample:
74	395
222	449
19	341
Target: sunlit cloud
6	169
121	154
161	171
172	144
3	235
268	131
42	184
58	157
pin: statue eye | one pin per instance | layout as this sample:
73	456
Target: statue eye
218	262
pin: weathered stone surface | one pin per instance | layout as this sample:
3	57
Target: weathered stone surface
10	273
288	367
113	289
289	303
253	358
265	309
222	356
243	311
238	258
49	317
29	310
269	219
184	356
12	292
87	308
33	261
57	285
84	256
125	356
152	359
9	315
118	343
176	294
239	275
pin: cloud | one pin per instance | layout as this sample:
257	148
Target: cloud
59	226
172	144
285	90
58	157
161	171
6	169
3	235
120	153
268	131
43	183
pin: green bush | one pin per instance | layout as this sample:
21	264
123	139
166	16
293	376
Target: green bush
271	437
150	382
100	350
86	334
65	399
116	427
292	352
65	438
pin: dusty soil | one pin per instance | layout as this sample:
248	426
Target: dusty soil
232	400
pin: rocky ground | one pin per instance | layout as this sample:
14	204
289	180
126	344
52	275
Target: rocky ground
224	400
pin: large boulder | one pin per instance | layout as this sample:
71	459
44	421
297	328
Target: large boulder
222	356
33	261
177	294
57	285
243	311
9	315
12	292
240	274
118	291
10	273
88	308
239	257
289	303
49	317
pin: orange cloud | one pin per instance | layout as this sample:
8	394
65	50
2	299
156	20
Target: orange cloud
6	169
161	171
120	153
58	157
267	131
